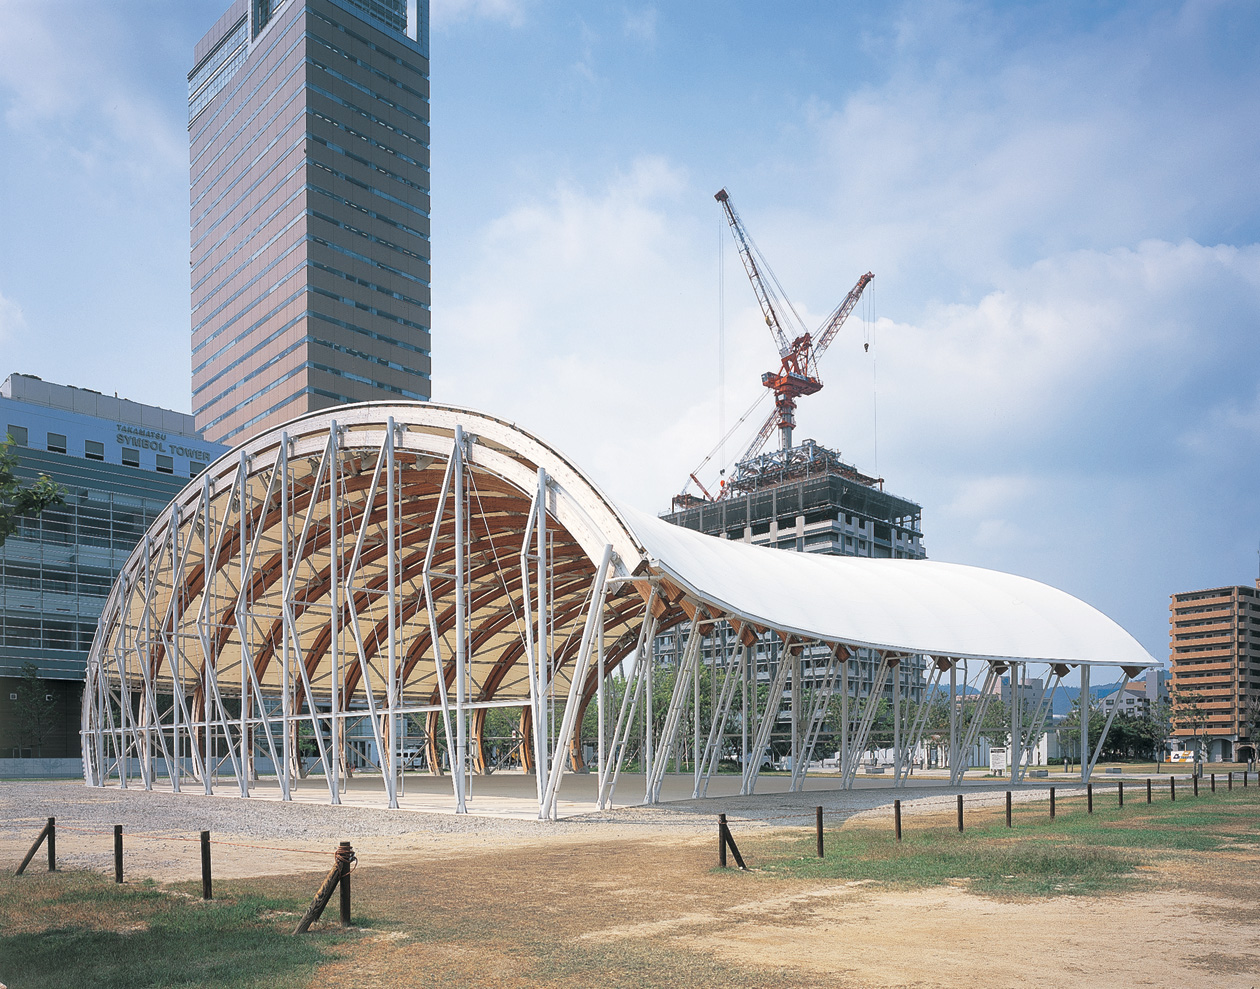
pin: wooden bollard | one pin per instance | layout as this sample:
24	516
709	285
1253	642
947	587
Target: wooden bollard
1194	784
47	833
818	829
1230	777
1008	808
345	880
1089	797
1052	803
343	859
1148	789
960	817
1172	787
1120	792
897	818
1214	782
206	890
727	840
118	877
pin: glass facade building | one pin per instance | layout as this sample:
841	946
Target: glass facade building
120	463
309	210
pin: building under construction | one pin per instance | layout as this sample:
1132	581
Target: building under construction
809	500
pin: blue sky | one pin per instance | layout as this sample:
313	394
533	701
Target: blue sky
1059	202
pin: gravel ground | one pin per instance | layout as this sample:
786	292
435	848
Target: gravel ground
260	835
26	804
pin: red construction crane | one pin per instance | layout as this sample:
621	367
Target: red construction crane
798	368
798	359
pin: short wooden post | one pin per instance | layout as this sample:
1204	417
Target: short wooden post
52	844
1230	777
1008	808
345	856
1148	789
1120	792
818	829
1172	787
1052	803
897	818
1194	784
1089	796
44	835
960	817
728	841
1244	779
1214	782
118	853
206	892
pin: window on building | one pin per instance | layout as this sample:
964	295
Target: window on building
130	457
165	464
93	450
17	434
56	443
195	468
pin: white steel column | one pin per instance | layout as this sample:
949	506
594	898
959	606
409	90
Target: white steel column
577	682
334	630
673	716
1086	702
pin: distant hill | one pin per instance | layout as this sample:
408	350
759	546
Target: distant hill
1064	696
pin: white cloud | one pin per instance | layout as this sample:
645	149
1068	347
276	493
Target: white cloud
981	151
640	25
445	13
584	316
76	96
12	320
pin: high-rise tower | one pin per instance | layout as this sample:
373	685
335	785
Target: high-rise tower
309	148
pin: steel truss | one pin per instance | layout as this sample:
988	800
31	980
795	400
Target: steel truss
331	591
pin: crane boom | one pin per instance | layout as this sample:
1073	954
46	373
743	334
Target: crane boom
797	375
760	288
823	338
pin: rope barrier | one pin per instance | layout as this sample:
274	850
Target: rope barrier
213	841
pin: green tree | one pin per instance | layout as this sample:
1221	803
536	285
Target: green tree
1190	714
35	714
18	499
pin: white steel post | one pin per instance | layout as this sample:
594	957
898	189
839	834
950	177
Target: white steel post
542	753
896	674
576	682
461	633
334	641
1085	707
745	662
844	710
953	713
1017	720
794	659
599	698
391	598
286	690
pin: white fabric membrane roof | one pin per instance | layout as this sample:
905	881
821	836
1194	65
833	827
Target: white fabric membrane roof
913	606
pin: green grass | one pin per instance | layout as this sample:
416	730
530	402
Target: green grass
79	928
1075	854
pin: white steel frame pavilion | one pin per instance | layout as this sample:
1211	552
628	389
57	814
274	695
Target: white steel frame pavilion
382	564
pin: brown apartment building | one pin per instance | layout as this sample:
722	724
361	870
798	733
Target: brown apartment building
309	146
1214	648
